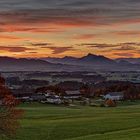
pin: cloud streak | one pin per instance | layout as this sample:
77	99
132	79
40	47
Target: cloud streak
15	49
123	46
94	17
60	50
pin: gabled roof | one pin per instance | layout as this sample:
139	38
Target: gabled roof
115	93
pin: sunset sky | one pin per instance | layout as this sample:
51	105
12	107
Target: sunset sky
56	28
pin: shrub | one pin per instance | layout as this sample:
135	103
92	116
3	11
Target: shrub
110	103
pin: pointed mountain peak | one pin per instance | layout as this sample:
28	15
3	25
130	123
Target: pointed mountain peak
90	54
93	56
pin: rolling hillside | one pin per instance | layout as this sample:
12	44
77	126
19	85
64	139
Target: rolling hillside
79	123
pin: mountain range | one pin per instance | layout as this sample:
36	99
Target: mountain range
89	59
98	62
89	62
24	64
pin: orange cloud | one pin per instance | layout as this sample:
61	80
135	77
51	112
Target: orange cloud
131	33
9	37
84	36
15	48
123	54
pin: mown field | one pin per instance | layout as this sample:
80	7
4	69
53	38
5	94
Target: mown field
48	122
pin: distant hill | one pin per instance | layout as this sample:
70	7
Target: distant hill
64	60
130	60
23	64
89	59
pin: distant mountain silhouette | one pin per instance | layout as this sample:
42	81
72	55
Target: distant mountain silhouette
64	60
24	64
89	62
123	62
92	59
97	62
130	60
89	59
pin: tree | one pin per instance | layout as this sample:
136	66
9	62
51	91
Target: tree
132	92
86	91
9	115
87	94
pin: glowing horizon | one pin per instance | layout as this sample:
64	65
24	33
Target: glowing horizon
38	28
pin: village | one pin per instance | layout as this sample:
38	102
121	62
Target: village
72	88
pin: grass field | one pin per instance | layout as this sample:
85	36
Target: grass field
47	122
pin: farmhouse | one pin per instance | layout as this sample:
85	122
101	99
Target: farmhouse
114	96
38	97
54	99
72	94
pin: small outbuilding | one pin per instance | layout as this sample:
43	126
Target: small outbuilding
114	96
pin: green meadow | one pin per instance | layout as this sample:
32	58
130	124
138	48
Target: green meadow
49	122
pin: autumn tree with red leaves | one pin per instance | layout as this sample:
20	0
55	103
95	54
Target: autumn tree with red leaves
110	103
9	115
